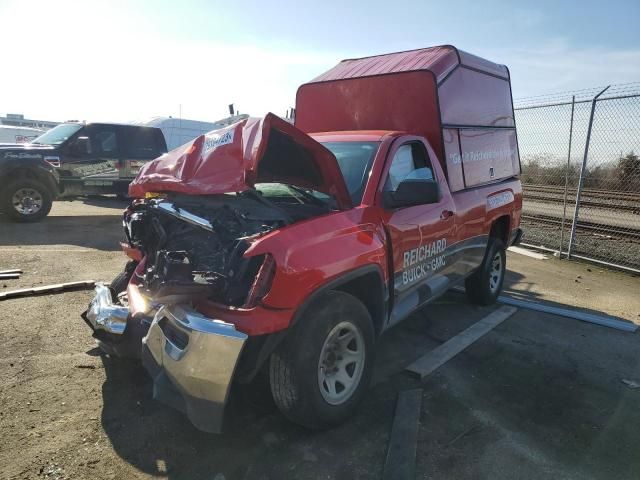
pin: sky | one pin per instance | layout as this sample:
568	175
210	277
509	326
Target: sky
127	60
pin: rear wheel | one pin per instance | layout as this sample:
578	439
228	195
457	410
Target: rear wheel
26	200
321	371
484	286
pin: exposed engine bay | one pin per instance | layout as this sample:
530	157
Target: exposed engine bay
194	245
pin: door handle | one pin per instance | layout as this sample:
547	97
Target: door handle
446	214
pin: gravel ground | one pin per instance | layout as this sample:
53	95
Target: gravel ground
601	246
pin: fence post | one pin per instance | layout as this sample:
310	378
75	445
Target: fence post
583	170
566	179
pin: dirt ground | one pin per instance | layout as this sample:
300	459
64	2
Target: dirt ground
538	397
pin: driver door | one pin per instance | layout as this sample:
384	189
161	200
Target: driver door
420	235
100	162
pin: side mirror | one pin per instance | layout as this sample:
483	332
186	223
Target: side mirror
413	192
81	147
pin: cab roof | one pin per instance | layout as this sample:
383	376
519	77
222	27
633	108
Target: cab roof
353	135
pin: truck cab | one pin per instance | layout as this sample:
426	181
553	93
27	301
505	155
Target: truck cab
73	159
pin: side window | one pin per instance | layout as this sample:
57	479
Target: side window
104	141
140	144
409	162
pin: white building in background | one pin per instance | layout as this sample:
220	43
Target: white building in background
14	128
9	134
18	120
178	131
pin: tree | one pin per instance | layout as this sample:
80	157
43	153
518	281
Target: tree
629	171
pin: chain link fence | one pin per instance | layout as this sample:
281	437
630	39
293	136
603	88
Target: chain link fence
580	155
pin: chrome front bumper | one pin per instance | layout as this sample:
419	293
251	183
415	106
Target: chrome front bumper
104	315
191	359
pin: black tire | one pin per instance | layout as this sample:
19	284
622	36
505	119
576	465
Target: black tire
41	192
120	283
294	367
484	286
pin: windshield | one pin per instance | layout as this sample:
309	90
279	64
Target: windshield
58	135
354	159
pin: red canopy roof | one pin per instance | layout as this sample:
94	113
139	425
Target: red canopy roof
440	60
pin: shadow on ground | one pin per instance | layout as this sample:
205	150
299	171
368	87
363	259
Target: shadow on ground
101	232
258	442
538	397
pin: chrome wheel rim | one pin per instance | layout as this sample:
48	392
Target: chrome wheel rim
495	275
341	363
27	201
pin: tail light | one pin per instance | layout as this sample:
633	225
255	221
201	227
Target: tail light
262	283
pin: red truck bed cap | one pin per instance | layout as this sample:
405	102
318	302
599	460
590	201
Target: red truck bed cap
439	60
459	102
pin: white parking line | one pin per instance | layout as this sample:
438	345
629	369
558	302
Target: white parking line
449	349
528	253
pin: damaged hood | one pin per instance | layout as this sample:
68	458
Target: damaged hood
235	158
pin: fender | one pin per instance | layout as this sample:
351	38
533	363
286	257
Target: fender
40	170
260	349
335	283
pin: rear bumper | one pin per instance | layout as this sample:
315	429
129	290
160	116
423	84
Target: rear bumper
192	359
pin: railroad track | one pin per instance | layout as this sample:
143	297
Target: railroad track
586	203
589	226
586	192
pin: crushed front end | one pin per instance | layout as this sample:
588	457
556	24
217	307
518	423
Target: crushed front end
186	250
190	300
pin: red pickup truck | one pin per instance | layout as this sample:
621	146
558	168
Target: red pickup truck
270	248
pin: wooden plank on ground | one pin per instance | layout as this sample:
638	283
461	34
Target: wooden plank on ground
528	253
445	352
9	276
59	287
571	312
400	463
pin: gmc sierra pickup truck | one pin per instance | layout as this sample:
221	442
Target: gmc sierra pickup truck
73	159
268	248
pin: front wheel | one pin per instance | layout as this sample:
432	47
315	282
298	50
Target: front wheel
25	200
321	371
484	286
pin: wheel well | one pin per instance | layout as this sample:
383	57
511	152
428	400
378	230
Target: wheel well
369	289
365	284
43	177
500	229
